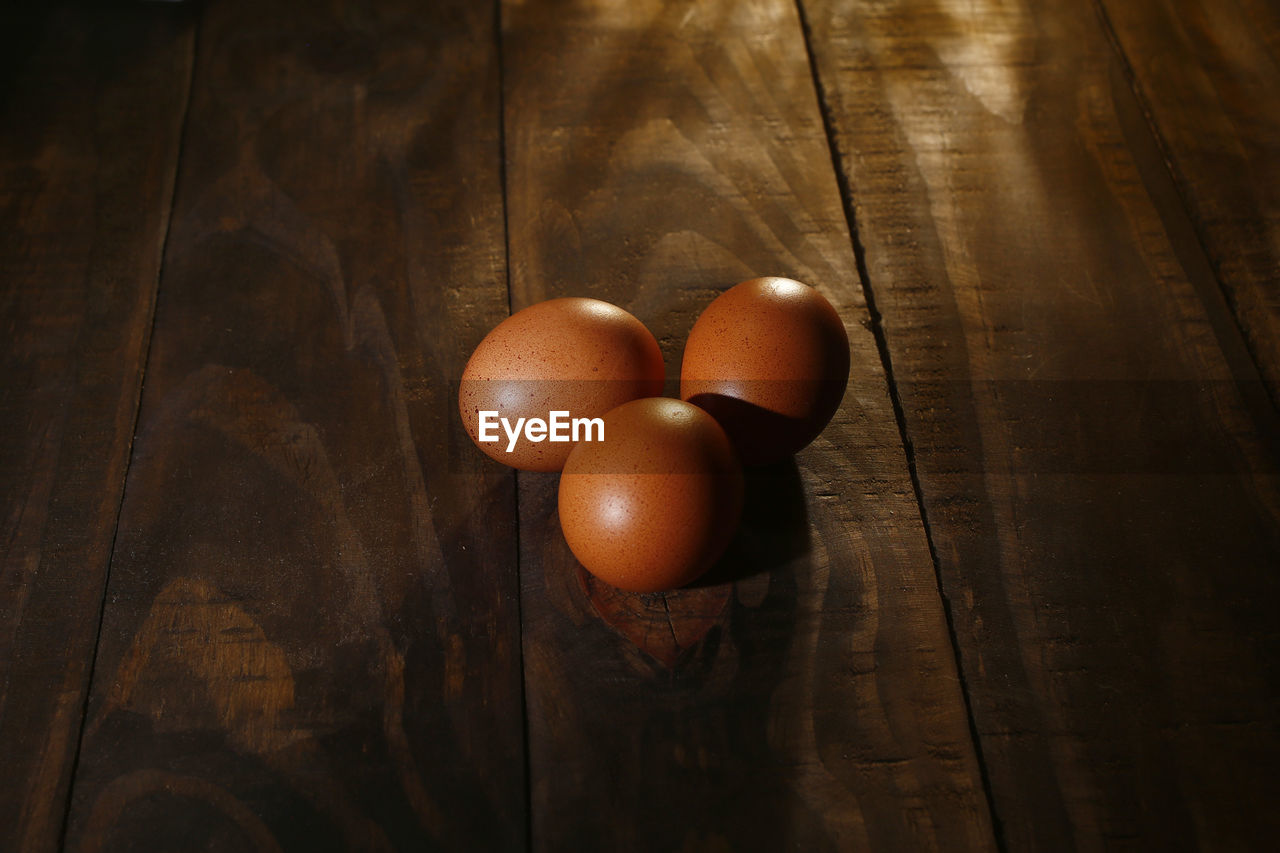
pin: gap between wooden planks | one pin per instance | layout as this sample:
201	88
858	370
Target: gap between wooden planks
1207	75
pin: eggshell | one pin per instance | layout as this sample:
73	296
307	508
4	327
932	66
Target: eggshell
653	505
769	359
576	355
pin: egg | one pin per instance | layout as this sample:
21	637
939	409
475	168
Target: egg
550	368
654	504
769	359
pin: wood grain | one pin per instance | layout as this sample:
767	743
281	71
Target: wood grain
1209	75
311	640
805	695
91	106
1115	610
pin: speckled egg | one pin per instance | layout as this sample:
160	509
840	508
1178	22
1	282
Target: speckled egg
653	505
575	356
769	359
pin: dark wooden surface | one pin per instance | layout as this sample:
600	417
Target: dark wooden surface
92	104
259	592
1205	73
1100	494
318	641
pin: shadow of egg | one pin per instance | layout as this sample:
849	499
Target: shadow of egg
774	530
762	436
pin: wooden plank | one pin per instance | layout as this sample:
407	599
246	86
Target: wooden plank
806	696
1101	494
311	638
1208	73
91	105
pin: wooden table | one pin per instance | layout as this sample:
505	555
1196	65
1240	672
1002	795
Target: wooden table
259	591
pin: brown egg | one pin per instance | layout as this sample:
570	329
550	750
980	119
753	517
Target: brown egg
653	505
769	359
535	381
